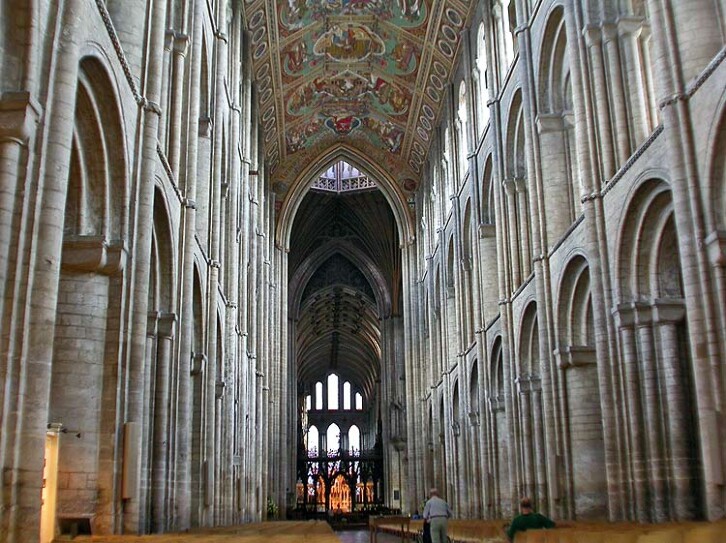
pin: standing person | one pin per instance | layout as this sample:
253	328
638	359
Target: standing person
528	520
436	513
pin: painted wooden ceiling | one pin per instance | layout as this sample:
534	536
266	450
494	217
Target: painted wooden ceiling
367	73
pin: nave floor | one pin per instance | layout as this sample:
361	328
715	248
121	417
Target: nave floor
264	532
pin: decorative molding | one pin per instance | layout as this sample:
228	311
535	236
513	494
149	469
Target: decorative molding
632	160
101	4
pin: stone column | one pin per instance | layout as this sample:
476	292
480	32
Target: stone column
525	241
614	79
160	472
593	39
586	130
677	415
674	25
146	461
526	438
142	234
176	126
625	319
514	250
180	507
29	366
539	431
716	245
19	114
629	29
651	404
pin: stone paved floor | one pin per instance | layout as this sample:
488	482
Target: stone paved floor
362	536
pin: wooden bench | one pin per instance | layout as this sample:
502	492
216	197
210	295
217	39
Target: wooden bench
398	524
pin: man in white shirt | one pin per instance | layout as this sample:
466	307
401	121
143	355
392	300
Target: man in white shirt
436	513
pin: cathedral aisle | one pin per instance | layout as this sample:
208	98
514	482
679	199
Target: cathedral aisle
363	536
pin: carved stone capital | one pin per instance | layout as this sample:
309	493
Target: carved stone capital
19	114
199	363
716	247
592	35
93	254
548	123
487	231
630	26
570	356
167	325
181	44
219	389
152	320
670	310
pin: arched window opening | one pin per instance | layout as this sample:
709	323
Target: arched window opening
446	166
308	402
333	395
462	119
346	395
483	78
358	401
354	439
311	441
318	395
332	438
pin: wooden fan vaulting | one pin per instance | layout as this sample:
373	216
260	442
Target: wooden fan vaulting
370	74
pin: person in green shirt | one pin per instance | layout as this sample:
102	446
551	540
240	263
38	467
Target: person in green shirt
528	520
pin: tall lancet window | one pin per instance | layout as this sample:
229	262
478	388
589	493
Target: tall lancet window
358	401
333	395
346	395
332	437
354	439
318	395
311	440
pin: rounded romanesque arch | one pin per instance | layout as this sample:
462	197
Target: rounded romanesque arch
584	477
651	321
90	290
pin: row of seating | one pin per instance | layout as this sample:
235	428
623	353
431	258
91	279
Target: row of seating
493	531
681	532
459	530
263	532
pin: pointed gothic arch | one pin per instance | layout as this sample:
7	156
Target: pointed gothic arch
387	185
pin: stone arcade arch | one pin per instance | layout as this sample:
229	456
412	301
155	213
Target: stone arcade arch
656	367
584	481
90	292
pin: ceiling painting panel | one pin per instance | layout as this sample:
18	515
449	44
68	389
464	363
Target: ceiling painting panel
369	73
